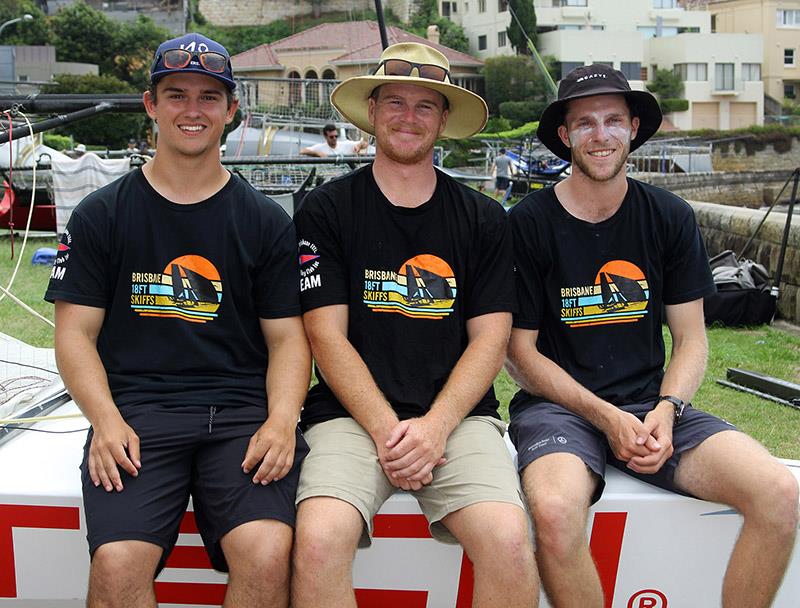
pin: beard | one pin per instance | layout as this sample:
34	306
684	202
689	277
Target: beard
601	174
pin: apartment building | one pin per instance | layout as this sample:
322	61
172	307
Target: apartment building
721	73
778	21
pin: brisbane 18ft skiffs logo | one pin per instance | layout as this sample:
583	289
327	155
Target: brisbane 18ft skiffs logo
620	294
189	289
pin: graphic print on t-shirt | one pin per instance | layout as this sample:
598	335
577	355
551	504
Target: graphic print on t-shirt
424	287
189	288
619	295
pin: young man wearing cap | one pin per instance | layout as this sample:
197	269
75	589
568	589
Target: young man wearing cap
596	258
174	288
407	294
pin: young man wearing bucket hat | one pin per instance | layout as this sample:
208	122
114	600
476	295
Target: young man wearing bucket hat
407	294
597	259
178	333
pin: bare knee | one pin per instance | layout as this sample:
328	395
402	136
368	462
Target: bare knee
559	523
322	544
777	508
507	548
121	572
263	564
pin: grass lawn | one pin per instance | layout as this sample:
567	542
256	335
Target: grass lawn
762	349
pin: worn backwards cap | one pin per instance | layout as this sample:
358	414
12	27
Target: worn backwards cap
588	81
195	44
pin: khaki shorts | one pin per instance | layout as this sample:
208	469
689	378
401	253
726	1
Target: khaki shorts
343	463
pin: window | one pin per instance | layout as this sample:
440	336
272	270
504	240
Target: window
481	6
788	56
632	70
445	9
567	26
598	28
789	91
568	66
665	3
689	29
751	71
723	77
570	3
502	6
788	18
481	43
502	39
454	6
22	78
691	71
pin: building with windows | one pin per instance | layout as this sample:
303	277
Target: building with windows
778	21
721	73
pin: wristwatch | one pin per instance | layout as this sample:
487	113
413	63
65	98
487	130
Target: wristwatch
678	404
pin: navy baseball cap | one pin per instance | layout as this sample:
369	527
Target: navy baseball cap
194	59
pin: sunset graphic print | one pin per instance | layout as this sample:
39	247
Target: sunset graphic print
620	294
189	288
423	287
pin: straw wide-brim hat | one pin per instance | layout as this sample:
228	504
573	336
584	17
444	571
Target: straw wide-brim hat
588	81
467	112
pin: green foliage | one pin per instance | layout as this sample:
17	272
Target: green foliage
674	105
237	39
520	112
35	32
450	34
109	130
512	78
57	142
136	44
666	85
497	124
526	14
85	35
526	130
791	108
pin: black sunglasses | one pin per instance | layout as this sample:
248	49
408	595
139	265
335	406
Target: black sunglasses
401	67
175	59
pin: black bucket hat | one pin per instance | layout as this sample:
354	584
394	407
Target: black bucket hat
588	81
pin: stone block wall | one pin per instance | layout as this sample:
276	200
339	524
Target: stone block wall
746	188
761	152
261	12
725	227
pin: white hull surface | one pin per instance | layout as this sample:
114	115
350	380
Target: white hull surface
653	549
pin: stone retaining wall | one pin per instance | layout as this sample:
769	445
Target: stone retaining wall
261	12
741	188
756	153
724	227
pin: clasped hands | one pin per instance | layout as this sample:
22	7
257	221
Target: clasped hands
414	447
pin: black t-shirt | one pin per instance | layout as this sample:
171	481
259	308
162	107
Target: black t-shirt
595	291
411	279
183	288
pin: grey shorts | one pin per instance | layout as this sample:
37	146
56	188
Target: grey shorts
547	428
343	463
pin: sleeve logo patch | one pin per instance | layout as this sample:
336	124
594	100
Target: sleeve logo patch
309	264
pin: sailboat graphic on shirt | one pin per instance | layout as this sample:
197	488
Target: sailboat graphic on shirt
189	288
618	291
424	286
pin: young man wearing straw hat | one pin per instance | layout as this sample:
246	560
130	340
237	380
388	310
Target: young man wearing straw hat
596	258
178	333
407	293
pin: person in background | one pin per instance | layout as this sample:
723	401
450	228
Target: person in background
332	146
503	168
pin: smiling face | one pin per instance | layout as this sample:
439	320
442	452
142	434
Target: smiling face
191	111
598	131
407	119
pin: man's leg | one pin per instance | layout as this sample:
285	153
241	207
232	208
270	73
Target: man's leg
121	575
505	570
258	556
328	531
732	468
559	488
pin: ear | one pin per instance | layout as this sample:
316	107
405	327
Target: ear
231	111
443	121
149	105
371	111
563	135
634	127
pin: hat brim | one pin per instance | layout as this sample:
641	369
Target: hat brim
467	112
647	109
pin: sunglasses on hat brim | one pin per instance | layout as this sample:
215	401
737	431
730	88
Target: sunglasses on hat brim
402	67
176	59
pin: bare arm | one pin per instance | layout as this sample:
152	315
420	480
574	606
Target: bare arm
271	449
310	152
418	445
114	443
540	375
683	376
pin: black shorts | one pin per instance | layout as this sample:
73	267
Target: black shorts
187	451
501	183
547	428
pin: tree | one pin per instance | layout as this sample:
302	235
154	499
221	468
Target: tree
85	35
34	32
666	85
450	34
111	130
512	78
136	44
526	15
